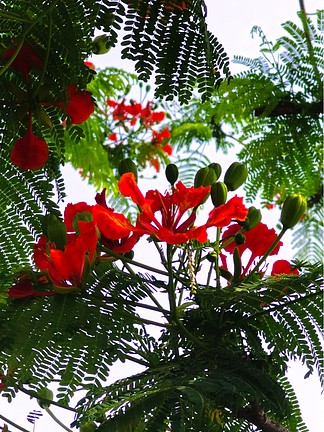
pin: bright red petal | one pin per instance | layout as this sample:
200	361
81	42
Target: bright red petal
29	152
283	267
223	215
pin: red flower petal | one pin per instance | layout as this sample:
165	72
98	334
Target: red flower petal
113	136
222	216
29	152
26	60
167	149
80	105
283	267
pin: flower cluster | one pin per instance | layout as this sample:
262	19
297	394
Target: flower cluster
30	151
128	119
68	249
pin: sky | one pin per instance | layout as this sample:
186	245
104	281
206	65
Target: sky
231	21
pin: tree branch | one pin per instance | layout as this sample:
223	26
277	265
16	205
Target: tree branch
255	415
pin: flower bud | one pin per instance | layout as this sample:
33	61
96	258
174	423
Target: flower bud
218	193
46	394
172	173
217	168
293	209
126	166
205	177
253	217
101	44
235	176
239	238
212	257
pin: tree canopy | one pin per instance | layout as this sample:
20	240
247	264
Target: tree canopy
211	323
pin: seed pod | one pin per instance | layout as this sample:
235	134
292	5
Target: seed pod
204	177
126	166
218	193
235	176
253	217
172	173
293	209
217	168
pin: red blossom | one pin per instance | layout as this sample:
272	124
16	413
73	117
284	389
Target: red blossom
26	60
79	106
167	149
158	137
283	267
223	215
169	227
30	151
113	136
150	117
258	240
24	288
90	65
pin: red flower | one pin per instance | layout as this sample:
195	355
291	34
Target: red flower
167	149
171	207
150	117
24	288
283	267
90	65
257	240
224	214
30	151
66	268
25	61
79	106
113	136
158	137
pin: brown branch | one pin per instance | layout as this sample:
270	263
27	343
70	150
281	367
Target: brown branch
255	415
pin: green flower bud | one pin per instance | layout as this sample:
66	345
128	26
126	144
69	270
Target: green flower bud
46	394
217	168
55	230
212	257
172	173
218	193
205	177
235	176
293	209
88	427
239	238
101	44
253	217
126	166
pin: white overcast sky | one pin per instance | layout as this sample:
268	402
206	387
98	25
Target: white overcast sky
231	21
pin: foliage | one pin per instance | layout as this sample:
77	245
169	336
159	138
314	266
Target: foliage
221	357
273	111
75	299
